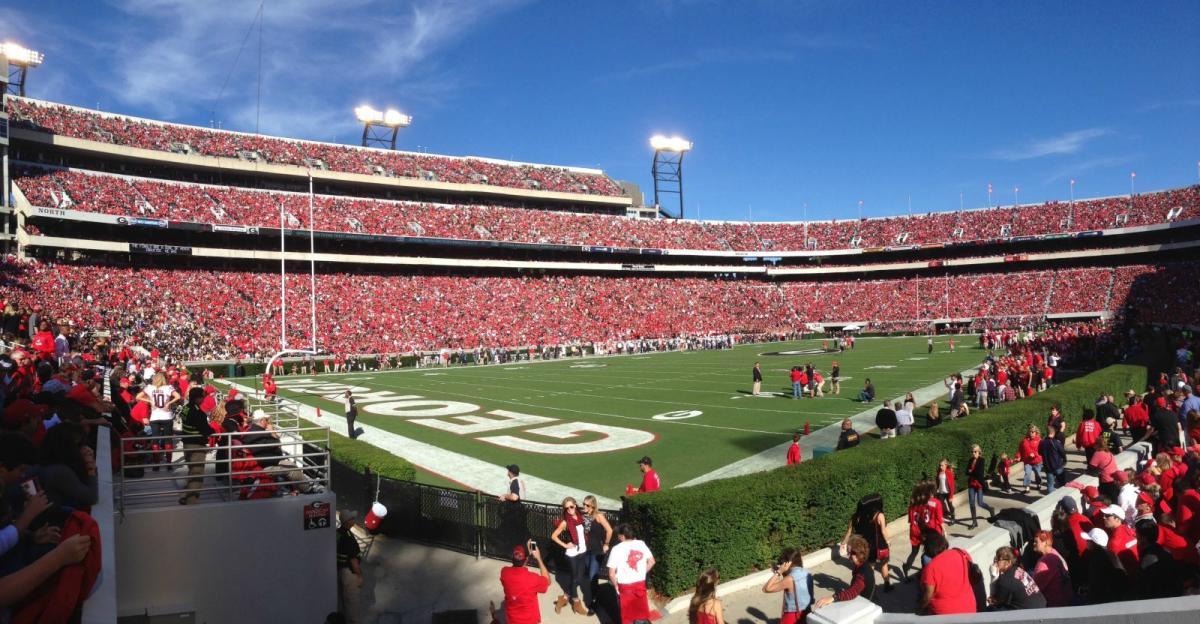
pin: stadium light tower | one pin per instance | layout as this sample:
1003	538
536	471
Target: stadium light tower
668	169
381	127
17	60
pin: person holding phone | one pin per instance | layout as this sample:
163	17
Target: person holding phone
521	586
795	582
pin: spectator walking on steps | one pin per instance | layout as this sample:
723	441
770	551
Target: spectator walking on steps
869	523
946	487
349	566
977	485
1054	458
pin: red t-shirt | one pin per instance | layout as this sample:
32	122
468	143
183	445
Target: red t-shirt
1123	544
521	587
650	482
934	516
948	573
1027	451
1137	416
1087	433
793	454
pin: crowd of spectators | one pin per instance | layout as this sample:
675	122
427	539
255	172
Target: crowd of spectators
108	194
119	130
226	314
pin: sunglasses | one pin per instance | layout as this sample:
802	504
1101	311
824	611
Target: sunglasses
569	507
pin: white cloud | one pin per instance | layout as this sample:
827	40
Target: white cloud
319	59
1068	143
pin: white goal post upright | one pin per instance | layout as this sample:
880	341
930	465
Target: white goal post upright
312	274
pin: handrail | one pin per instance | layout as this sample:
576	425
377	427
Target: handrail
296	466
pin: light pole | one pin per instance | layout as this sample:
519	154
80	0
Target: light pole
667	168
1016	196
1072	190
989	194
16	61
1132	187
381	127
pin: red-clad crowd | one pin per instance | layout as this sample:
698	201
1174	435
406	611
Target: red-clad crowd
124	196
119	130
225	314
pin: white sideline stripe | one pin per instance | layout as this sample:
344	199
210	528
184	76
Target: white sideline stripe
826	437
474	473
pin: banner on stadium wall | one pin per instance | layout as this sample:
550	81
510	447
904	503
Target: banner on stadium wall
1022	239
638	267
1016	258
170	250
235	229
75	215
595	249
143	221
1055	236
190	226
1089	233
935	263
652	252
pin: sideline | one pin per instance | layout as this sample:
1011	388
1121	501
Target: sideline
473	473
825	437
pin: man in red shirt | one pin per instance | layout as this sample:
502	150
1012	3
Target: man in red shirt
793	454
650	482
1087	434
521	586
945	580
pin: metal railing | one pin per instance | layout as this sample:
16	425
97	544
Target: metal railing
294	460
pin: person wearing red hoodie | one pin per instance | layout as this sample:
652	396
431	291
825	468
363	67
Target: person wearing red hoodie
793	454
43	342
1028	454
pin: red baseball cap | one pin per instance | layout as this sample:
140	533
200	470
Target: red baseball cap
22	410
1177	451
1091	492
519	553
1147	478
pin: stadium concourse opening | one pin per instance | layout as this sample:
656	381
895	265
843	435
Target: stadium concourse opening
536	341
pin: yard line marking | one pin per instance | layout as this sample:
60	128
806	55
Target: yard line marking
469	471
765	395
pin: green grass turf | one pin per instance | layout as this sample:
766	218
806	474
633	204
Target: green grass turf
627	391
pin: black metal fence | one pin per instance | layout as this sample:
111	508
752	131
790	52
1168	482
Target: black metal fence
460	520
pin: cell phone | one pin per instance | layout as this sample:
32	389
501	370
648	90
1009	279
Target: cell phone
31	486
533	547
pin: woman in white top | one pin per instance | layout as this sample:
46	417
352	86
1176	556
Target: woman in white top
575	547
162	398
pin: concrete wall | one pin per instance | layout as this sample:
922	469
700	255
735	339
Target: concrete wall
242	561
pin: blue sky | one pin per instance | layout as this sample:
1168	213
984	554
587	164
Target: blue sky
789	104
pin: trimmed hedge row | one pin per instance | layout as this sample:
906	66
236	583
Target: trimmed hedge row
740	524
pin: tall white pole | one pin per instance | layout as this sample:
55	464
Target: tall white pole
960	201
1016	196
1072	190
312	263
282	281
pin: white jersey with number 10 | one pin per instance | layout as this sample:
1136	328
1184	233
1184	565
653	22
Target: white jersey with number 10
160	396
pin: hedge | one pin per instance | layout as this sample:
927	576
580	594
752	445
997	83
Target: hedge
740	524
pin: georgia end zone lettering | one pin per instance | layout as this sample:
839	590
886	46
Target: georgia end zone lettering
523	432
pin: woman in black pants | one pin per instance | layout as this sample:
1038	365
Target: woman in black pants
578	562
977	484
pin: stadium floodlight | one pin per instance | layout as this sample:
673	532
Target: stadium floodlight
670	144
17	60
20	55
381	127
667	169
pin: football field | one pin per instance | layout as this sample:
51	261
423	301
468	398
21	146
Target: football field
584	423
